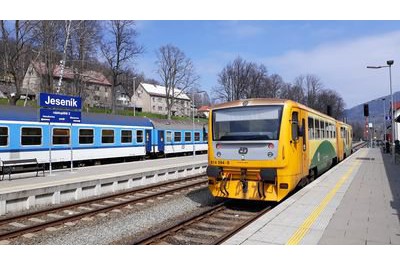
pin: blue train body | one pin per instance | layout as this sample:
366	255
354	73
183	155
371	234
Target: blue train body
98	136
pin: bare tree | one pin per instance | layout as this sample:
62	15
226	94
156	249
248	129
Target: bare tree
241	79
47	35
16	42
258	81
234	81
293	92
176	72
201	98
119	48
276	86
81	52
328	97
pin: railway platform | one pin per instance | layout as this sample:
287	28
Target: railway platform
25	191
354	203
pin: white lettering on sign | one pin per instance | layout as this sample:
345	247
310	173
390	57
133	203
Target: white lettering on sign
61	102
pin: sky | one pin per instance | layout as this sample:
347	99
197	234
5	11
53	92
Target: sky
336	51
332	39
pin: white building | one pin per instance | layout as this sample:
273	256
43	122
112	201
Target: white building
152	98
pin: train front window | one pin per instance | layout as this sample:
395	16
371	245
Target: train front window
247	123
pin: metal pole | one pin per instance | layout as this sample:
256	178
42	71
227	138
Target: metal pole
194	148
392	112
72	155
50	143
384	121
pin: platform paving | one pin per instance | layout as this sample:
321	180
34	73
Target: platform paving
370	210
355	203
80	173
25	191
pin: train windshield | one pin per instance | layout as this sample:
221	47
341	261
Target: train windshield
247	123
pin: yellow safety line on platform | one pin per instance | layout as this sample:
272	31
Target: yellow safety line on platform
306	225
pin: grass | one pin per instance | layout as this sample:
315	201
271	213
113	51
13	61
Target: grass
33	103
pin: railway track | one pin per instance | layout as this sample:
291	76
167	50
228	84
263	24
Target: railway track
36	221
359	145
210	227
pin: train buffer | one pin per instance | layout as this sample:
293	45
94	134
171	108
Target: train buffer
20	166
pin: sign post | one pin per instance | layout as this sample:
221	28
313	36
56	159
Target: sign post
51	142
61	109
72	153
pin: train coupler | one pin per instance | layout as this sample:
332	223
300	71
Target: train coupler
245	185
224	181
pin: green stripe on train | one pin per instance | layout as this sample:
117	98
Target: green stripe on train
323	156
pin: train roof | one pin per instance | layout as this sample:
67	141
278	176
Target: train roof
251	101
15	113
262	101
162	124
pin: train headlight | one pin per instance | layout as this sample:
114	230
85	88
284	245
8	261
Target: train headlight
219	154
270	145
218	146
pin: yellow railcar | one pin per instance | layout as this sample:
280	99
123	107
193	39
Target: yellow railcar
261	149
344	140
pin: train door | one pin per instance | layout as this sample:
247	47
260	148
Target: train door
148	141
304	139
296	143
161	141
299	142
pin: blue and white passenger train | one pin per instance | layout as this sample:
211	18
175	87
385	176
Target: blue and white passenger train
98	137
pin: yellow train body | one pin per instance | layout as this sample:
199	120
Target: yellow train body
261	149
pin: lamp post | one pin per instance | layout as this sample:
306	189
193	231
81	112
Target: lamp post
384	122
193	92
389	64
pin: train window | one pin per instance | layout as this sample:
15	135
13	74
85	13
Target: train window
342	132
31	136
303	125
107	136
169	137
60	136
247	123
177	136
139	136
317	135
196	136
328	130
188	136
86	136
322	134
3	136
126	136
310	128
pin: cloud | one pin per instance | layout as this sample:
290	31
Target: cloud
241	29
341	66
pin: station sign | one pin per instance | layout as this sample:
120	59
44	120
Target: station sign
56	101
64	116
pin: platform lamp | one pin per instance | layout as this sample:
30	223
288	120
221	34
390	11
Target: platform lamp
389	64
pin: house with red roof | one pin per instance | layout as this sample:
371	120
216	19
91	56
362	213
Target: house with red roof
92	86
